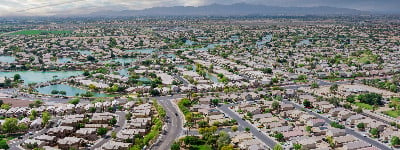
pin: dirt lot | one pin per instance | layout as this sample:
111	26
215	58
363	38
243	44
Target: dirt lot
16	102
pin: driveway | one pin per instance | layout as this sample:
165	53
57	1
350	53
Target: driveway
261	136
120	125
348	130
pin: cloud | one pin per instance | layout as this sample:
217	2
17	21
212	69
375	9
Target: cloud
68	7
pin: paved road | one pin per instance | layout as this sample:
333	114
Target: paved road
174	126
265	139
14	145
184	81
120	125
348	130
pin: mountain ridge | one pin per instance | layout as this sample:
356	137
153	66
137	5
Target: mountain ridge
238	9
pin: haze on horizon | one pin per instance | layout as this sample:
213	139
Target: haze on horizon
76	7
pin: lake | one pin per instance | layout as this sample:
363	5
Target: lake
70	90
265	39
121	60
7	59
64	60
39	76
145	51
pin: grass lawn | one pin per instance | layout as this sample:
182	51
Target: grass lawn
393	113
202	147
363	105
300	81
38	32
337	79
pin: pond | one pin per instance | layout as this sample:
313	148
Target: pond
123	72
39	76
209	46
265	39
208	75
84	52
189	42
145	51
7	59
171	56
64	60
303	42
121	60
70	90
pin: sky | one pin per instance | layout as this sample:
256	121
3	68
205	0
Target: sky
75	7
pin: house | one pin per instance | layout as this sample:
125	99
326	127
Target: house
70	143
30	142
326	108
334	112
50	140
308	143
342	140
315	122
292	134
356	145
336	132
286	107
305	117
113	145
241	137
60	131
343	115
352	119
87	133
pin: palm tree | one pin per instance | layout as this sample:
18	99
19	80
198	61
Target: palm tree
188	125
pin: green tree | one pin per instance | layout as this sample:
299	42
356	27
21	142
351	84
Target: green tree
175	146
5	106
113	121
202	124
3	144
33	115
114	135
351	98
234	128
38	103
247	129
371	98
297	146
331	141
10	125
314	85
22	127
17	77
334	88
307	104
223	139
46	117
395	141
74	101
275	105
359	110
374	132
308	129
277	147
361	126
279	137
92	109
128	116
102	131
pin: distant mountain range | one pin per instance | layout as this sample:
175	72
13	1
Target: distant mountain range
239	9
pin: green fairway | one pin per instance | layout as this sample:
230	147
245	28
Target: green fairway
364	106
39	32
393	113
